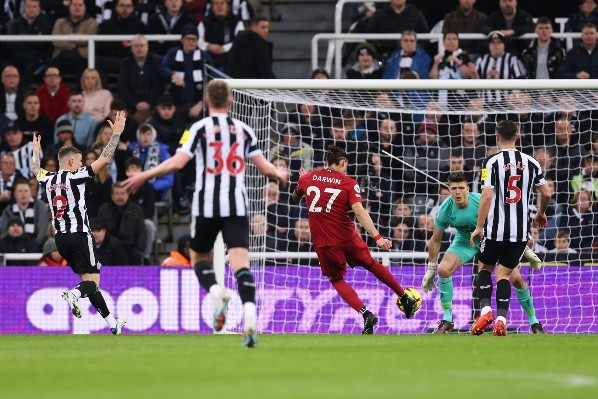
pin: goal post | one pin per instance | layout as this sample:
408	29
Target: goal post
438	126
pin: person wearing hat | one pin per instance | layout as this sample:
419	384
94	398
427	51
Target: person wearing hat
367	66
588	12
168	19
110	250
251	54
183	67
66	137
498	64
291	148
139	81
17	241
50	254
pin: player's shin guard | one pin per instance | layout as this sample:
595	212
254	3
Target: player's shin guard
87	288
206	276
503	297
383	274
484	285
347	293
445	285
525	299
246	285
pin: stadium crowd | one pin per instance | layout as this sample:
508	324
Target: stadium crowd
49	90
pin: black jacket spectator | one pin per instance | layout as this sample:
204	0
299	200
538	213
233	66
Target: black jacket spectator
250	57
117	25
582	227
521	24
111	252
159	24
169	130
17	241
137	84
126	223
18	102
579	59
220	30
556	55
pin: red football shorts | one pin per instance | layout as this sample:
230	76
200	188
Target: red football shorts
334	259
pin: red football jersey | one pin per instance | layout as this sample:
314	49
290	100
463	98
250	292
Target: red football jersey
329	195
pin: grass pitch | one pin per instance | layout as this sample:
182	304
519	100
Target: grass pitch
299	366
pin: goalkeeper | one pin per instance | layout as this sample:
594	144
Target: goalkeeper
460	211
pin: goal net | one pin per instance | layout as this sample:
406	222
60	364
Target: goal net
438	127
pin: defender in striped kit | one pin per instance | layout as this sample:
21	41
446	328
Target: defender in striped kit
508	181
221	146
65	190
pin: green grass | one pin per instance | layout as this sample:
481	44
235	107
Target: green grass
299	366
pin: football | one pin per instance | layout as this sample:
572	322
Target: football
413	293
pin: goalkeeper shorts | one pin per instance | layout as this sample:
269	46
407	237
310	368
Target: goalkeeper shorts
462	250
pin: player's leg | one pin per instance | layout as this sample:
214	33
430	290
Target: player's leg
451	261
489	255
203	235
333	264
524	297
509	259
235	232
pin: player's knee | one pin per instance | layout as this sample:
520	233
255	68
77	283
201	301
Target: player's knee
444	270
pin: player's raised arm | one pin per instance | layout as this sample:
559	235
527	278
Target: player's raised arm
106	156
366	222
35	161
267	168
172	164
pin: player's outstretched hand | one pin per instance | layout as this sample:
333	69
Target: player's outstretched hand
119	122
541	220
37	142
477	233
135	181
302	171
384	243
534	262
283	175
428	283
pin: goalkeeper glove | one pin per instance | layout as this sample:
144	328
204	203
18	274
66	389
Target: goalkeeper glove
428	280
534	262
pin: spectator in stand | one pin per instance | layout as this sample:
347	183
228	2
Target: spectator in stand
251	54
587	180
180	257
543	58
123	22
28	57
511	21
54	9
183	67
536	246
66	137
259	228
498	64
96	99
395	17
151	153
456	163
145	197
367	66
472	148
378	187
243	10
139	81
466	19
562	244
109	249
169	123
424	231
53	96
217	32
34	213
568	154
16	241
196	9
320	73
71	57
485	122
360	21
580	221
11	94
8	175
50	254
97	190
21	149
124	220
168	19
402	235
588	12
277	210
581	62
454	63
409	57
33	122
82	122
299	240
296	152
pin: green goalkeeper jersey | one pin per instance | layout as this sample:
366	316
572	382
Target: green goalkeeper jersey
462	219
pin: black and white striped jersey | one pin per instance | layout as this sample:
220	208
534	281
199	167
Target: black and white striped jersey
23	156
507	66
66	196
221	146
513	175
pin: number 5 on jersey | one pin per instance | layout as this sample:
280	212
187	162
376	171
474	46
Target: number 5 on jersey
316	191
